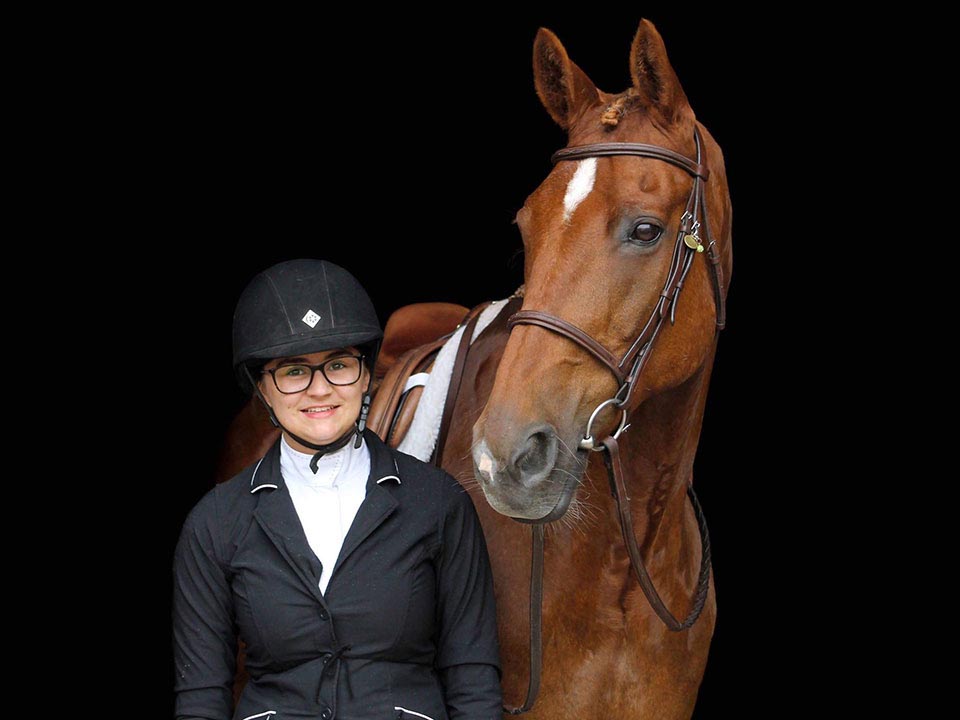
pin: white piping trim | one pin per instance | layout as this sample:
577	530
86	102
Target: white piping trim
411	712
263	714
258	487
392	477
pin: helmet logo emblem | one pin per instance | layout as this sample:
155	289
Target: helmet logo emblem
311	318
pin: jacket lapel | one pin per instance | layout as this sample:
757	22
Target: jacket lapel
379	503
278	518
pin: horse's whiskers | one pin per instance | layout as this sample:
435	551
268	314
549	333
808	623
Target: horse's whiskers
571	453
467	479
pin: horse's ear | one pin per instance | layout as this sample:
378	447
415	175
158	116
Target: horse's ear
563	88
653	76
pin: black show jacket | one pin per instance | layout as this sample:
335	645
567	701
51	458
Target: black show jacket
407	628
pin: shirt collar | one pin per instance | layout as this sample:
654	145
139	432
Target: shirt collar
332	467
383	468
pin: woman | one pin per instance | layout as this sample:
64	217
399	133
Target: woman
356	576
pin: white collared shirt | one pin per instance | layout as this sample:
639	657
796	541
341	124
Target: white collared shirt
327	501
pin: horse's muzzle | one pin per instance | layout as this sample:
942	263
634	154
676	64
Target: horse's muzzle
533	484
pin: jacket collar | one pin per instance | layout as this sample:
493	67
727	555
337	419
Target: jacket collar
383	468
277	515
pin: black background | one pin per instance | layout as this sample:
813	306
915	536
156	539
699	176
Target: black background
401	146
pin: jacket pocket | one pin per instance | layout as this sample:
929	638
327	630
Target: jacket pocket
267	715
406	714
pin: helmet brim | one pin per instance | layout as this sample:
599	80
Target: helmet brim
296	347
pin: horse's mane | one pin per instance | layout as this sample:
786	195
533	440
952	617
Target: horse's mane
618	108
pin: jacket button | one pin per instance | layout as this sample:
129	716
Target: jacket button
326	658
326	713
324	615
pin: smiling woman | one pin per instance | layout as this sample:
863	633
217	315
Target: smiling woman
319	406
276	354
355	576
317	395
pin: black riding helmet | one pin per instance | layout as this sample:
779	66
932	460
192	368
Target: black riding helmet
299	307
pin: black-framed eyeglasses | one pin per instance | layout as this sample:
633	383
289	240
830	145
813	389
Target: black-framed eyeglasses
292	378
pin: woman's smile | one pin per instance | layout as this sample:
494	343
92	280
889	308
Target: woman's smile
319	412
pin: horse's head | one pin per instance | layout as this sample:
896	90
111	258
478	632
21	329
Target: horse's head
610	237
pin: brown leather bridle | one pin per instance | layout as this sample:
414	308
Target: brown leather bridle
627	370
687	245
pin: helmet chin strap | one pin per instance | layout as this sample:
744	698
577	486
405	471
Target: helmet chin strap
322	450
364	411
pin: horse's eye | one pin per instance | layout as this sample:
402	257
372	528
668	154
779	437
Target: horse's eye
645	233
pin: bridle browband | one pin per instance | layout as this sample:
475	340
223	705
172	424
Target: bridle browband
627	370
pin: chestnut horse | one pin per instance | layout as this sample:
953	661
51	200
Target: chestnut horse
580	405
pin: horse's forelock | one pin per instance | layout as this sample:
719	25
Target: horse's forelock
618	107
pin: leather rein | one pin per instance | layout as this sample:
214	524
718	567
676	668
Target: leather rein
627	370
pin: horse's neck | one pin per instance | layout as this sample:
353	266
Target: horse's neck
657	454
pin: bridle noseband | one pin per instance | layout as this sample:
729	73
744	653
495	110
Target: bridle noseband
627	370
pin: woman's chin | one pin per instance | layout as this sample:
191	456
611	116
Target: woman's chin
320	438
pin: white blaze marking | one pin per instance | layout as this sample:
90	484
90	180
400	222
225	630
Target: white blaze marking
580	186
486	465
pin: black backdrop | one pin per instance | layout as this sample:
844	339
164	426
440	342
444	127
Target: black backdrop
403	153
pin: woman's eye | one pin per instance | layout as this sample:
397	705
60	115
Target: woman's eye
645	233
292	370
335	365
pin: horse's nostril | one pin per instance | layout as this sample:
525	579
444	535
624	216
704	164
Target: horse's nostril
537	456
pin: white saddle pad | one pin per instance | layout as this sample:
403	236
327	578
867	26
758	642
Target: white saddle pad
421	438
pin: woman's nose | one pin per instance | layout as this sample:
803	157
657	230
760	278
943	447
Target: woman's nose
319	384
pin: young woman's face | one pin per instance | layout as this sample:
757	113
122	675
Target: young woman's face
322	412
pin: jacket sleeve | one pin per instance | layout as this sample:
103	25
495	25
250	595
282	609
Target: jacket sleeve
468	654
204	640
